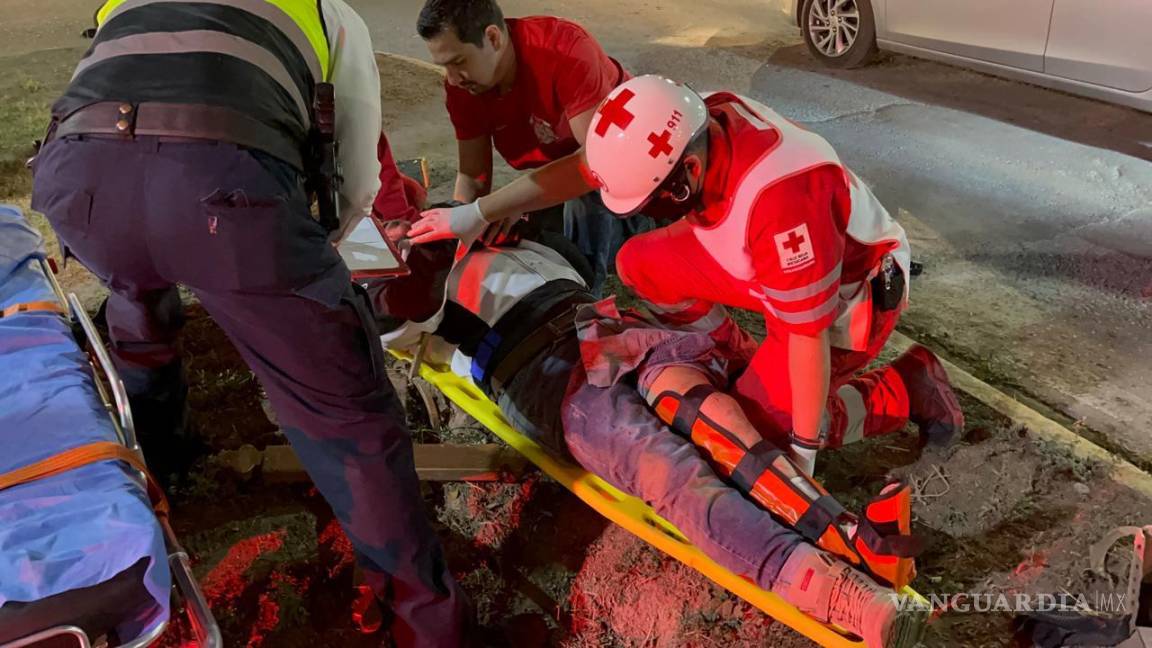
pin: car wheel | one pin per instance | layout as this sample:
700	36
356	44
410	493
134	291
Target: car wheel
839	33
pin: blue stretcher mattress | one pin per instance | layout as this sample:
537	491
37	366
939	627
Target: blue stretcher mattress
84	527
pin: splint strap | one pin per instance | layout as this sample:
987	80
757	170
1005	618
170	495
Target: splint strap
820	515
891	544
34	307
631	513
82	456
755	463
689	409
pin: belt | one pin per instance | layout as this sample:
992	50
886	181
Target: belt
184	121
558	327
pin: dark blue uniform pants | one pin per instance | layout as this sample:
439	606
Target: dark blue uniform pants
233	226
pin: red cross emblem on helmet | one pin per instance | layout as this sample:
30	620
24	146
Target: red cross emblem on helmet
660	143
614	113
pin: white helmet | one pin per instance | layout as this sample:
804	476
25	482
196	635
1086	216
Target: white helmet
637	136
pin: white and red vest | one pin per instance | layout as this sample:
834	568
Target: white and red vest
766	149
487	283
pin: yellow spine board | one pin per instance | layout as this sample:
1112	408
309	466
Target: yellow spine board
629	512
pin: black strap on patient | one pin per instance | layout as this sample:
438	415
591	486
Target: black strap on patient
756	462
888	544
462	327
689	409
537	322
820	515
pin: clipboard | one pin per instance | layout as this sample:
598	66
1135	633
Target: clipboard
369	254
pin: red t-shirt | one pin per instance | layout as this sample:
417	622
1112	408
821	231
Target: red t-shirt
561	71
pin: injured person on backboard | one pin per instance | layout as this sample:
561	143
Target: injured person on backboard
643	406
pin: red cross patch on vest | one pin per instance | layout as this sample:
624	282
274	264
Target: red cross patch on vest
794	247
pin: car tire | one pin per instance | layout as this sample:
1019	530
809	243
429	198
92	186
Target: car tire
839	33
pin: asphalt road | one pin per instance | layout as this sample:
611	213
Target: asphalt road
1032	211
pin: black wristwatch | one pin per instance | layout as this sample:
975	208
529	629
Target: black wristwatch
801	442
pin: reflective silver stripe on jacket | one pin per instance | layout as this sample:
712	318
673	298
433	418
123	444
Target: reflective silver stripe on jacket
261	8
190	42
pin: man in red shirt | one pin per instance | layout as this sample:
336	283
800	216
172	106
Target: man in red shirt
772	222
528	88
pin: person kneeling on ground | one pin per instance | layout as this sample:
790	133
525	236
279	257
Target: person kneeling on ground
589	382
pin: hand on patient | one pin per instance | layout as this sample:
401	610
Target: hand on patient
465	222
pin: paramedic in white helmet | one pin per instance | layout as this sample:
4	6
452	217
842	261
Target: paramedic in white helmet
762	215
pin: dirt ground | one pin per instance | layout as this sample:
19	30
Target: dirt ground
1001	512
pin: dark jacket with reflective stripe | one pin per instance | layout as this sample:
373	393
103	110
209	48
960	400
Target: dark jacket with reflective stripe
246	55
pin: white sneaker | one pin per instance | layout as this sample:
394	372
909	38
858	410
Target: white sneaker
833	592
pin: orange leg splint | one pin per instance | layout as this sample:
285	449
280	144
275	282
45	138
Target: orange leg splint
880	543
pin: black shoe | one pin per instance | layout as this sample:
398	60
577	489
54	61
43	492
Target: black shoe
932	405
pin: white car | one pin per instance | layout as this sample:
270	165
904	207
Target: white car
1096	48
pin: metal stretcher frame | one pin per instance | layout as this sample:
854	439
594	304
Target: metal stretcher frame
629	512
115	400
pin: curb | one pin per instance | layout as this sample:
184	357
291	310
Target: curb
1044	428
410	61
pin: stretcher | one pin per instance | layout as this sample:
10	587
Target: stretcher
87	557
630	512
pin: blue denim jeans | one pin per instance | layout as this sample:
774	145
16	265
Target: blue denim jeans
613	433
599	234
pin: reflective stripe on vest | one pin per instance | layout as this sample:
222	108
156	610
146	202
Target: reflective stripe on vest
258	58
299	20
188	42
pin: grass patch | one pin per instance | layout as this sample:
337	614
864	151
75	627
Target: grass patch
1060	461
28	86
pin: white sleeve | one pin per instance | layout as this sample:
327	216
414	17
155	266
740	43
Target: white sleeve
357	84
407	336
